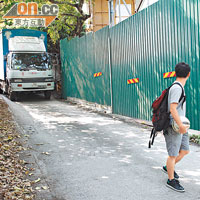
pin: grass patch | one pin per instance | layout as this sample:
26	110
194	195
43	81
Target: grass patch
195	139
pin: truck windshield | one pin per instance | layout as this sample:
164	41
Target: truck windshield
40	61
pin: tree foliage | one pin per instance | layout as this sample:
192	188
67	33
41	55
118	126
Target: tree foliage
69	23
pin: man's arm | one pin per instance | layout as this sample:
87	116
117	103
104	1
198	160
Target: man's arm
174	113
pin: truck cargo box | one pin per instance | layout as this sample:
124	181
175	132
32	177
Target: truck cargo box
5	34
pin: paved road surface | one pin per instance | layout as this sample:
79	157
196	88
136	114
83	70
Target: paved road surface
95	157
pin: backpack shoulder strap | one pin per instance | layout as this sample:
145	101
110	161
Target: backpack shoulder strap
182	94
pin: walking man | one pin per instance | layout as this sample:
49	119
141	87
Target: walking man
177	143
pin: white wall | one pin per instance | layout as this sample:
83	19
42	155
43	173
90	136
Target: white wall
147	3
123	11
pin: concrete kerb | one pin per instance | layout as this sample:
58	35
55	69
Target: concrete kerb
107	110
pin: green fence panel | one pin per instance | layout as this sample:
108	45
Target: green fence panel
149	44
89	68
81	58
101	62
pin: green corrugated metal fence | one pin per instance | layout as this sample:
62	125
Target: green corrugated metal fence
144	46
81	59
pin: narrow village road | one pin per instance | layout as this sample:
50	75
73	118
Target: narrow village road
82	155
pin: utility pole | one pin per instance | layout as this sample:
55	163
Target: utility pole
111	13
133	7
119	8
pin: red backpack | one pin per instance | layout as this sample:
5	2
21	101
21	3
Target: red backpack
160	118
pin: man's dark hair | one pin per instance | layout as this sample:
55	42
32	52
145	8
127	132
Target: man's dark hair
182	70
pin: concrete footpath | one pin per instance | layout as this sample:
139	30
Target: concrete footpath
96	157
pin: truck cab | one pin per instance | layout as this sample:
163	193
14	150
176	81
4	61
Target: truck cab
28	67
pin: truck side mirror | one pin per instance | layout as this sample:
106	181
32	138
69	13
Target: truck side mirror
5	57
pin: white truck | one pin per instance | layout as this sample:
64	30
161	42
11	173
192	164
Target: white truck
24	63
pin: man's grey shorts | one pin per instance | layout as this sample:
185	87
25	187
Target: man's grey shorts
176	142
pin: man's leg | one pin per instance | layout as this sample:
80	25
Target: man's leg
170	166
173	144
184	147
172	183
182	153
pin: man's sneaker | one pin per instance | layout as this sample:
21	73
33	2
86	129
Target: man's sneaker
164	169
175	185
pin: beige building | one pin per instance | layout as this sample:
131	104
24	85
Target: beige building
99	11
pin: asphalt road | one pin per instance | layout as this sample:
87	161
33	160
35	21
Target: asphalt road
82	155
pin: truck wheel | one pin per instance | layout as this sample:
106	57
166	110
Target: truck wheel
47	94
12	96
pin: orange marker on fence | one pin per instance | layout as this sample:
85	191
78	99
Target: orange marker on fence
134	80
98	74
169	74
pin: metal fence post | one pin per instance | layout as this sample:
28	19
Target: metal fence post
110	68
